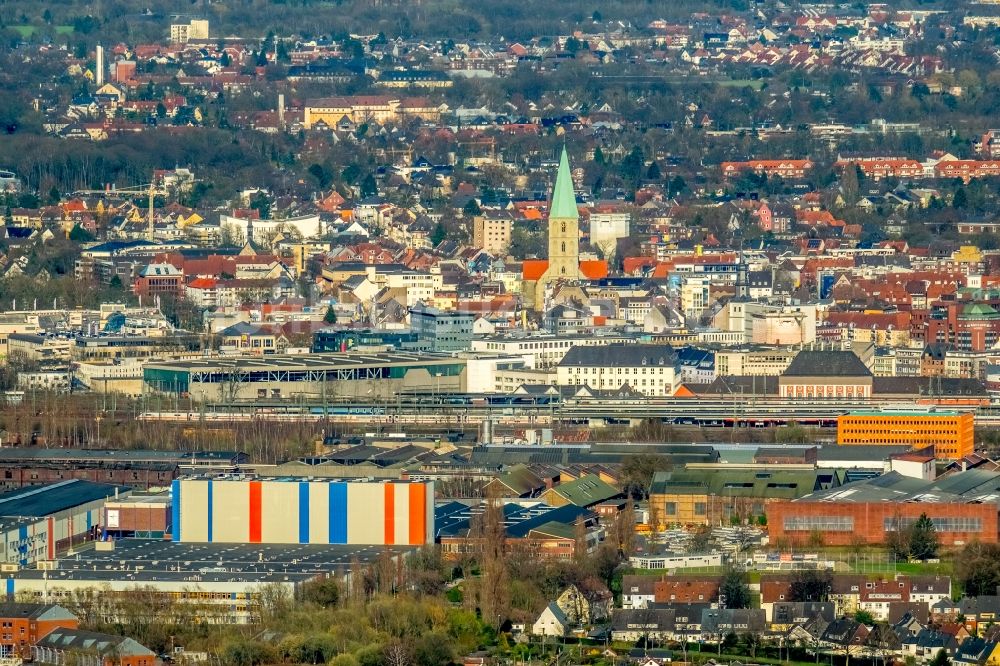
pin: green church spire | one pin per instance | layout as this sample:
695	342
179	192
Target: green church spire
563	197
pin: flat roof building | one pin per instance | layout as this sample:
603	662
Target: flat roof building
224	580
331	375
950	433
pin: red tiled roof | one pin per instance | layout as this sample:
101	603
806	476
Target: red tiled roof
595	270
534	269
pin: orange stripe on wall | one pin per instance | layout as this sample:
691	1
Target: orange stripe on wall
390	514
418	514
255	506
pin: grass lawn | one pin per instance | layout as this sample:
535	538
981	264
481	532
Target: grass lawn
911	568
27	31
756	84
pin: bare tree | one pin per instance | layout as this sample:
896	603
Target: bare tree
494	580
396	654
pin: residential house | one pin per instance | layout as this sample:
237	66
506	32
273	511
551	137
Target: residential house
787	614
980	612
977	652
925	645
686	590
638	591
585	604
551	622
633	624
846	636
718	622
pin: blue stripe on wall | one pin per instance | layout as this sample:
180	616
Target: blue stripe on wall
10	587
175	518
22	534
90	521
303	512
338	513
210	512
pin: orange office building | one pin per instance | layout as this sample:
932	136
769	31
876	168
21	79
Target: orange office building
950	433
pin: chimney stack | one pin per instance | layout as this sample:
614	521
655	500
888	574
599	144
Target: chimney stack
99	66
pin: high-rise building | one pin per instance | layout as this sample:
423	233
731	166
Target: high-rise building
182	33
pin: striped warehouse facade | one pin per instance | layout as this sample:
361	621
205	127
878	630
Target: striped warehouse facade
229	509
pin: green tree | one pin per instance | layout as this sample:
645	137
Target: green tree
321	175
923	539
961	199
631	167
439	234
471	208
941	659
734	590
262	204
368	186
653	172
676	186
80	235
323	592
330	317
864	617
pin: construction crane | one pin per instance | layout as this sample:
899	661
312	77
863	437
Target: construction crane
150	189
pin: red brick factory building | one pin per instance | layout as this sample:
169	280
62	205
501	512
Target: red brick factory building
963	506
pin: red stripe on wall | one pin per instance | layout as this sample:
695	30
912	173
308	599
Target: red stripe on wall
390	514
52	539
255	504
418	514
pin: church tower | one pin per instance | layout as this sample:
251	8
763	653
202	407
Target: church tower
564	227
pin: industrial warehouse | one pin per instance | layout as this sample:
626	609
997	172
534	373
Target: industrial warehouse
963	508
335	376
238	509
224	580
37	522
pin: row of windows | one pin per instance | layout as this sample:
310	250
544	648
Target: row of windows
821	523
602	370
700	508
949	524
902	420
